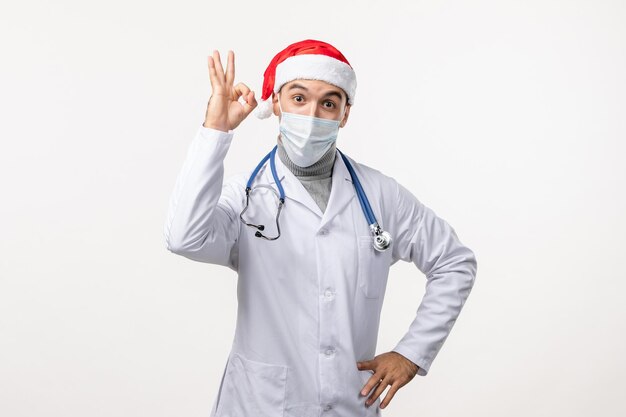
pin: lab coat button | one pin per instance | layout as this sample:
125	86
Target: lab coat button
328	294
330	352
327	407
323	232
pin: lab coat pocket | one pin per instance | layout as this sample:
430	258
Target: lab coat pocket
373	267
252	388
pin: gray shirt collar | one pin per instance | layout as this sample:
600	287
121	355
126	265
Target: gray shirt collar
322	168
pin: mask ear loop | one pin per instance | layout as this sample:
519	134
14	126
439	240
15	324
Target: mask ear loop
344	113
281	109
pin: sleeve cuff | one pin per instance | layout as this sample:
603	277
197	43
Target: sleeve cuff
209	132
421	362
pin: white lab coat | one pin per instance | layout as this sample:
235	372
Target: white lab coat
309	302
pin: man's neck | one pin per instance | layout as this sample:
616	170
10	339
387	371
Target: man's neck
322	168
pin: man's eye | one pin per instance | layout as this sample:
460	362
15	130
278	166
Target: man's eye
297	98
331	104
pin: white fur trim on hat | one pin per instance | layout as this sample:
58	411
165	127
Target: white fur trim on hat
264	108
317	67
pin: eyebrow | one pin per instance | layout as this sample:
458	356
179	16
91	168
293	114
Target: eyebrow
330	93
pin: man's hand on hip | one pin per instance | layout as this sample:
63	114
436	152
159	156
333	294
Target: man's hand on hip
390	368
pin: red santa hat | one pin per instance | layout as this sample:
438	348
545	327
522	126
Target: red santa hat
308	59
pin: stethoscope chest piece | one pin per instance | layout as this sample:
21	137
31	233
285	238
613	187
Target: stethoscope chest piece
382	241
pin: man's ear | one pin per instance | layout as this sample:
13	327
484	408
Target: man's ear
275	108
345	116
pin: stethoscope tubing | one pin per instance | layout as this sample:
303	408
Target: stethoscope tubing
382	239
271	156
365	204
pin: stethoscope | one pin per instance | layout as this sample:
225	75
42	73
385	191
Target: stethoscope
382	239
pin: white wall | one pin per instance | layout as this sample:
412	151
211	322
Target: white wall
505	117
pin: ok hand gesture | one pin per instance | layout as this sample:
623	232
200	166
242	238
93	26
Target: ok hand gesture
224	111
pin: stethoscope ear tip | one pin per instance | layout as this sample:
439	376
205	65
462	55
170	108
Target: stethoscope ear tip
382	239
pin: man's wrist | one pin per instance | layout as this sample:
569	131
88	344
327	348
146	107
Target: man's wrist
222	128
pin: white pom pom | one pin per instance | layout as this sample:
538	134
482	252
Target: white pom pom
264	109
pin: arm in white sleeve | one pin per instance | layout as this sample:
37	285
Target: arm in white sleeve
450	269
203	223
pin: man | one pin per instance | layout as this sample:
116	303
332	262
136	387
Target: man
311	282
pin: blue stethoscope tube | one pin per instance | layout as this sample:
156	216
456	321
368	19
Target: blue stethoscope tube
382	239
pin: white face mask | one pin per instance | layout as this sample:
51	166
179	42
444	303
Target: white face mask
306	138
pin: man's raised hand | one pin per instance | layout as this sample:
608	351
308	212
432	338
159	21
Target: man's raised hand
224	111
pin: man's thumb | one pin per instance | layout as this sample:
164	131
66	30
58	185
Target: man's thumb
250	103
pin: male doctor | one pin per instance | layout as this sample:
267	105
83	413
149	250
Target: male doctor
311	282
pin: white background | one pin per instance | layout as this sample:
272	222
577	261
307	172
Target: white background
505	117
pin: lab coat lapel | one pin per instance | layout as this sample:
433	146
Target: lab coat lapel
341	193
294	190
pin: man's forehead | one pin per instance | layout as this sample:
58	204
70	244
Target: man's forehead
309	84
